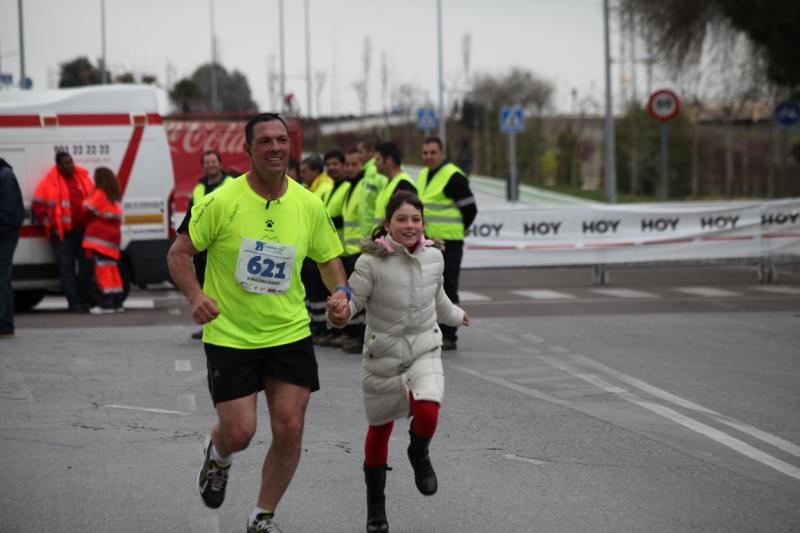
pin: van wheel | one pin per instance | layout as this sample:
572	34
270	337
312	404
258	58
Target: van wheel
125	274
24	301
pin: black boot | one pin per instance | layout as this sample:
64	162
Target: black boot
424	476
375	476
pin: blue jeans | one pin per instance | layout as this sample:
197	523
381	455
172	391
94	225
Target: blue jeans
68	254
8	243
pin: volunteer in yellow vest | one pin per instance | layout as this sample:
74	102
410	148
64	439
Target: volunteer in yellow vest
214	177
388	160
449	210
374	182
320	184
257	230
315	178
352	243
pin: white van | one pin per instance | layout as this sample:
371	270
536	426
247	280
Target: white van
115	126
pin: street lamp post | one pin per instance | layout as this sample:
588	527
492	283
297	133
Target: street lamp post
442	117
103	41
21	47
611	171
214	88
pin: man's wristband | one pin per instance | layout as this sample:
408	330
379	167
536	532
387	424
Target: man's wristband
346	290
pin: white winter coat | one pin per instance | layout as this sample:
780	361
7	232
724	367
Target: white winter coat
404	298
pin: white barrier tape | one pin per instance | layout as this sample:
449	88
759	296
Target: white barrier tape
603	234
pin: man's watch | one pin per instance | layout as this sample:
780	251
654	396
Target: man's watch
346	290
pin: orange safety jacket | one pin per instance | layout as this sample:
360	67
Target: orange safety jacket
51	200
103	224
107	277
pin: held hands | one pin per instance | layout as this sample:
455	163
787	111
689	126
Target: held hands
204	309
465	320
338	309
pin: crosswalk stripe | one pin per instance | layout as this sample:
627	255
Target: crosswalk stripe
544	295
625	293
709	292
467	296
794	291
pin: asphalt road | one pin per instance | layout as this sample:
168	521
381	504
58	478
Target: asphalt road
669	405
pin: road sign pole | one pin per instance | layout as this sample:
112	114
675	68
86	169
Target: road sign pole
784	156
513	180
664	181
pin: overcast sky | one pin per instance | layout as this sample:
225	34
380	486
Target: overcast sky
559	40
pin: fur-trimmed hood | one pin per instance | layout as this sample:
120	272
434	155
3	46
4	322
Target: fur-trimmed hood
386	246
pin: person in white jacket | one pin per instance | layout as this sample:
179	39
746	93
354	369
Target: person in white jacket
398	278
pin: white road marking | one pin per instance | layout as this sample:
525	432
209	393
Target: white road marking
774	440
467	296
513	457
186	402
174	311
708	292
146	409
625	293
533	338
688	422
183	365
59	303
794	291
544	295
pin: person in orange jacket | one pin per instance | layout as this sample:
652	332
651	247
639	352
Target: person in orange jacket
102	238
57	205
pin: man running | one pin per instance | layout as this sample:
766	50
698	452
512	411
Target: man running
257	231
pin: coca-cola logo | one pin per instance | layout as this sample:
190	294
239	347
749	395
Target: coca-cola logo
196	137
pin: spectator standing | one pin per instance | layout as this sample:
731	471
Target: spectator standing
102	239
58	204
450	209
12	214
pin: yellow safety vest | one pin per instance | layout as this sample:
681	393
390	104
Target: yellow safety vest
322	186
199	190
352	229
386	194
443	218
335	205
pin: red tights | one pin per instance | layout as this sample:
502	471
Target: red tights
376	445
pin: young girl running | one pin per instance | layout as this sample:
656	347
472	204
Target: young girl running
102	238
398	279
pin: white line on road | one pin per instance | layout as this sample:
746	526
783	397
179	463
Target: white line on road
794	291
146	409
625	293
708	292
513	457
174	311
704	429
533	338
776	441
544	295
467	296
183	365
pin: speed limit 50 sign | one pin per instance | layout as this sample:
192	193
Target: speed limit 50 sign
663	104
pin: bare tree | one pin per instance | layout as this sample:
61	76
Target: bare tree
519	86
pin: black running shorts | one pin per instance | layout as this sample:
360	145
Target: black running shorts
235	373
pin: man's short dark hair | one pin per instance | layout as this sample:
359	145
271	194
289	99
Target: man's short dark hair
263	117
370	142
352	151
434	139
209	152
314	163
334	154
390	149
60	157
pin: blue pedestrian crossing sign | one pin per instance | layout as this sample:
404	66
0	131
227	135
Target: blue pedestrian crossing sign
512	119
426	118
787	114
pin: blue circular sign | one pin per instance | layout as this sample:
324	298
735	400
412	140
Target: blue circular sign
787	113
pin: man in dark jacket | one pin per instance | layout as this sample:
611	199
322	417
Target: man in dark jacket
12	213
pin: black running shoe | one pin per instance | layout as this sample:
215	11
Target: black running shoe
264	523
212	479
